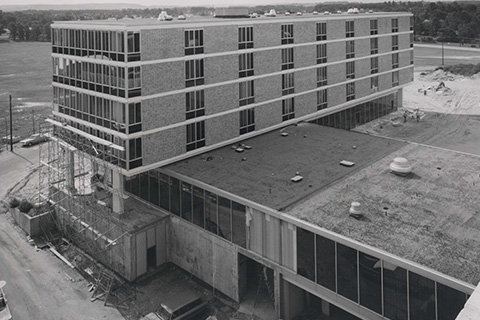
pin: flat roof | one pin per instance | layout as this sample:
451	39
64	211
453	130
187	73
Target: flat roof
312	150
432	215
198	21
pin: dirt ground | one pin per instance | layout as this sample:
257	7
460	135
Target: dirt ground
449	119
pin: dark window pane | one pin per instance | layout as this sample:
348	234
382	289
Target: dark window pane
347	272
449	301
305	254
394	291
135	185
187	201
175	196
370	282
325	262
211	212
198	206
164	192
154	188
224	218
422	297
144	186
238	224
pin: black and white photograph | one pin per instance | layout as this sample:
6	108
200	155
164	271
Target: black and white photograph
239	160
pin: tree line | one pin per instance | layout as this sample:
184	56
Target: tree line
434	21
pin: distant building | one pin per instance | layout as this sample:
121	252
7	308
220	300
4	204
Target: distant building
219	125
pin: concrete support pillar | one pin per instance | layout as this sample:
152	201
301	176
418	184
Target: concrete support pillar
117	195
400	98
277	282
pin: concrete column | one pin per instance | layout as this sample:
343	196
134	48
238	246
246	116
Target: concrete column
117	194
277	282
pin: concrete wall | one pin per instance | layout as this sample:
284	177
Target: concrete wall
205	255
32	225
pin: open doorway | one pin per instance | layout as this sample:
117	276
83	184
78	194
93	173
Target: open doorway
256	285
151	258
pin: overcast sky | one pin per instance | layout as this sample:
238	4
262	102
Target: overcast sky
172	2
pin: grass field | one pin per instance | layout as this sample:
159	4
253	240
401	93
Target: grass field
25	73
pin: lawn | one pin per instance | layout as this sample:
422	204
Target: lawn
25	73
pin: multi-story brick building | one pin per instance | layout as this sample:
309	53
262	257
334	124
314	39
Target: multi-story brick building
164	102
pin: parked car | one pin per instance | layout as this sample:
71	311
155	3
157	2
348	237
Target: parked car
185	305
4	310
181	17
33	140
15	139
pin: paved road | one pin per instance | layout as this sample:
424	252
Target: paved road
37	285
446	47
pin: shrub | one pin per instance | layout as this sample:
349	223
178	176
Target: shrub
14	203
25	206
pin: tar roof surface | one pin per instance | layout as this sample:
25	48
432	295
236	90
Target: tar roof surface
433	215
202	21
311	150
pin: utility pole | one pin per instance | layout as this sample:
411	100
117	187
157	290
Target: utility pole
443	61
11	125
33	121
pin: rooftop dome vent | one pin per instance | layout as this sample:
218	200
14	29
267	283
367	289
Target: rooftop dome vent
400	166
355	210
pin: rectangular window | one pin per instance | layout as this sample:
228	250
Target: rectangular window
195	104
246	93
325	254
306	254
322	76
394	291
349	29
350	73
350	91
373	45
134	77
175	196
194	73
411	40
247	120
374	84
288	109
394	43
134	149
288	83
322	102
193	42
195	135
287	33
373	65
411	57
225	218
134	117
421	297
322	53
198	206
211	215
321	31
411	22
164	191
186	201
245	65
394	60
395	25
245	37
347	284
287	58
350	49
239	233
370	272
449	302
373	27
395	80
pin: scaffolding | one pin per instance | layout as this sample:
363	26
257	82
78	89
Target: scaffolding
75	178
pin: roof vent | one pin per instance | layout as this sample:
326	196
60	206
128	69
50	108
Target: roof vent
400	166
355	210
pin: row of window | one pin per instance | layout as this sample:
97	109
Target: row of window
216	214
113	156
387	289
121	117
109	45
98	77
